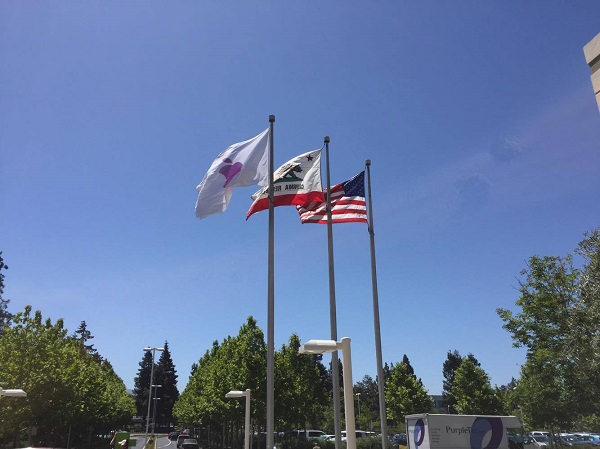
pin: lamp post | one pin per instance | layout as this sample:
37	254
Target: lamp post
358	399
150	392
154	415
156	398
323	346
15	393
240	394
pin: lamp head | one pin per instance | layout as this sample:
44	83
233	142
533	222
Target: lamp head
318	347
235	394
13	393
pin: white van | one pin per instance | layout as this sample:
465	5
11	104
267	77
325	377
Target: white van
306	434
359	434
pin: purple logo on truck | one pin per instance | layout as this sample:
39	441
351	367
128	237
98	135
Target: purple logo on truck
419	432
483	426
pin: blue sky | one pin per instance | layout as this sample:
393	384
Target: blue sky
479	119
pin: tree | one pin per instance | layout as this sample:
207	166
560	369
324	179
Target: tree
409	367
141	386
300	393
5	316
507	396
548	384
559	308
66	387
83	335
472	391
451	364
368	391
165	375
238	363
583	340
405	394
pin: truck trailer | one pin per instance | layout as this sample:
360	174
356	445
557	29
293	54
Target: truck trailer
431	431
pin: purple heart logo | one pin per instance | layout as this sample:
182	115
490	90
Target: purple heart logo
229	171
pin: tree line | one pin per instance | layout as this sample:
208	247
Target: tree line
304	389
70	386
73	393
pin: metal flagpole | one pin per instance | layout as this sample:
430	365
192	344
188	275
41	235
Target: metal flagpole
335	370
380	379
271	305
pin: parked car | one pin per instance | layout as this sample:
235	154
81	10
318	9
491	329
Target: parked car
566	439
540	441
190	443
583	440
359	434
540	433
305	434
399	439
181	438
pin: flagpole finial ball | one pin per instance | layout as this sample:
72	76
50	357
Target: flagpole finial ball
368	162
271	118
326	139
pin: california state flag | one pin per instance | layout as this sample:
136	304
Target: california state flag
297	182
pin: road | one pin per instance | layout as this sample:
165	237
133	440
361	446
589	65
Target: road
162	442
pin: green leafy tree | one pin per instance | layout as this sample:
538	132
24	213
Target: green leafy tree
556	321
367	392
193	405
235	364
300	393
405	394
451	364
508	398
472	391
583	340
66	387
548	384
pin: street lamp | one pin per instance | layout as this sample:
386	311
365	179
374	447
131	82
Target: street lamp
240	394
150	392
154	415
358	399
16	393
156	398
323	346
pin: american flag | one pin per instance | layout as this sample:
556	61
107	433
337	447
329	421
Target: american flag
347	204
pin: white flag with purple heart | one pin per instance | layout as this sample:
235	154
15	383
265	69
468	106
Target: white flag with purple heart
242	164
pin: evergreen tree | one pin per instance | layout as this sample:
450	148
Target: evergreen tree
193	369
408	365
142	385
83	335
387	371
166	376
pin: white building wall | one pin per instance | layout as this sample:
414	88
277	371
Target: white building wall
592	56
